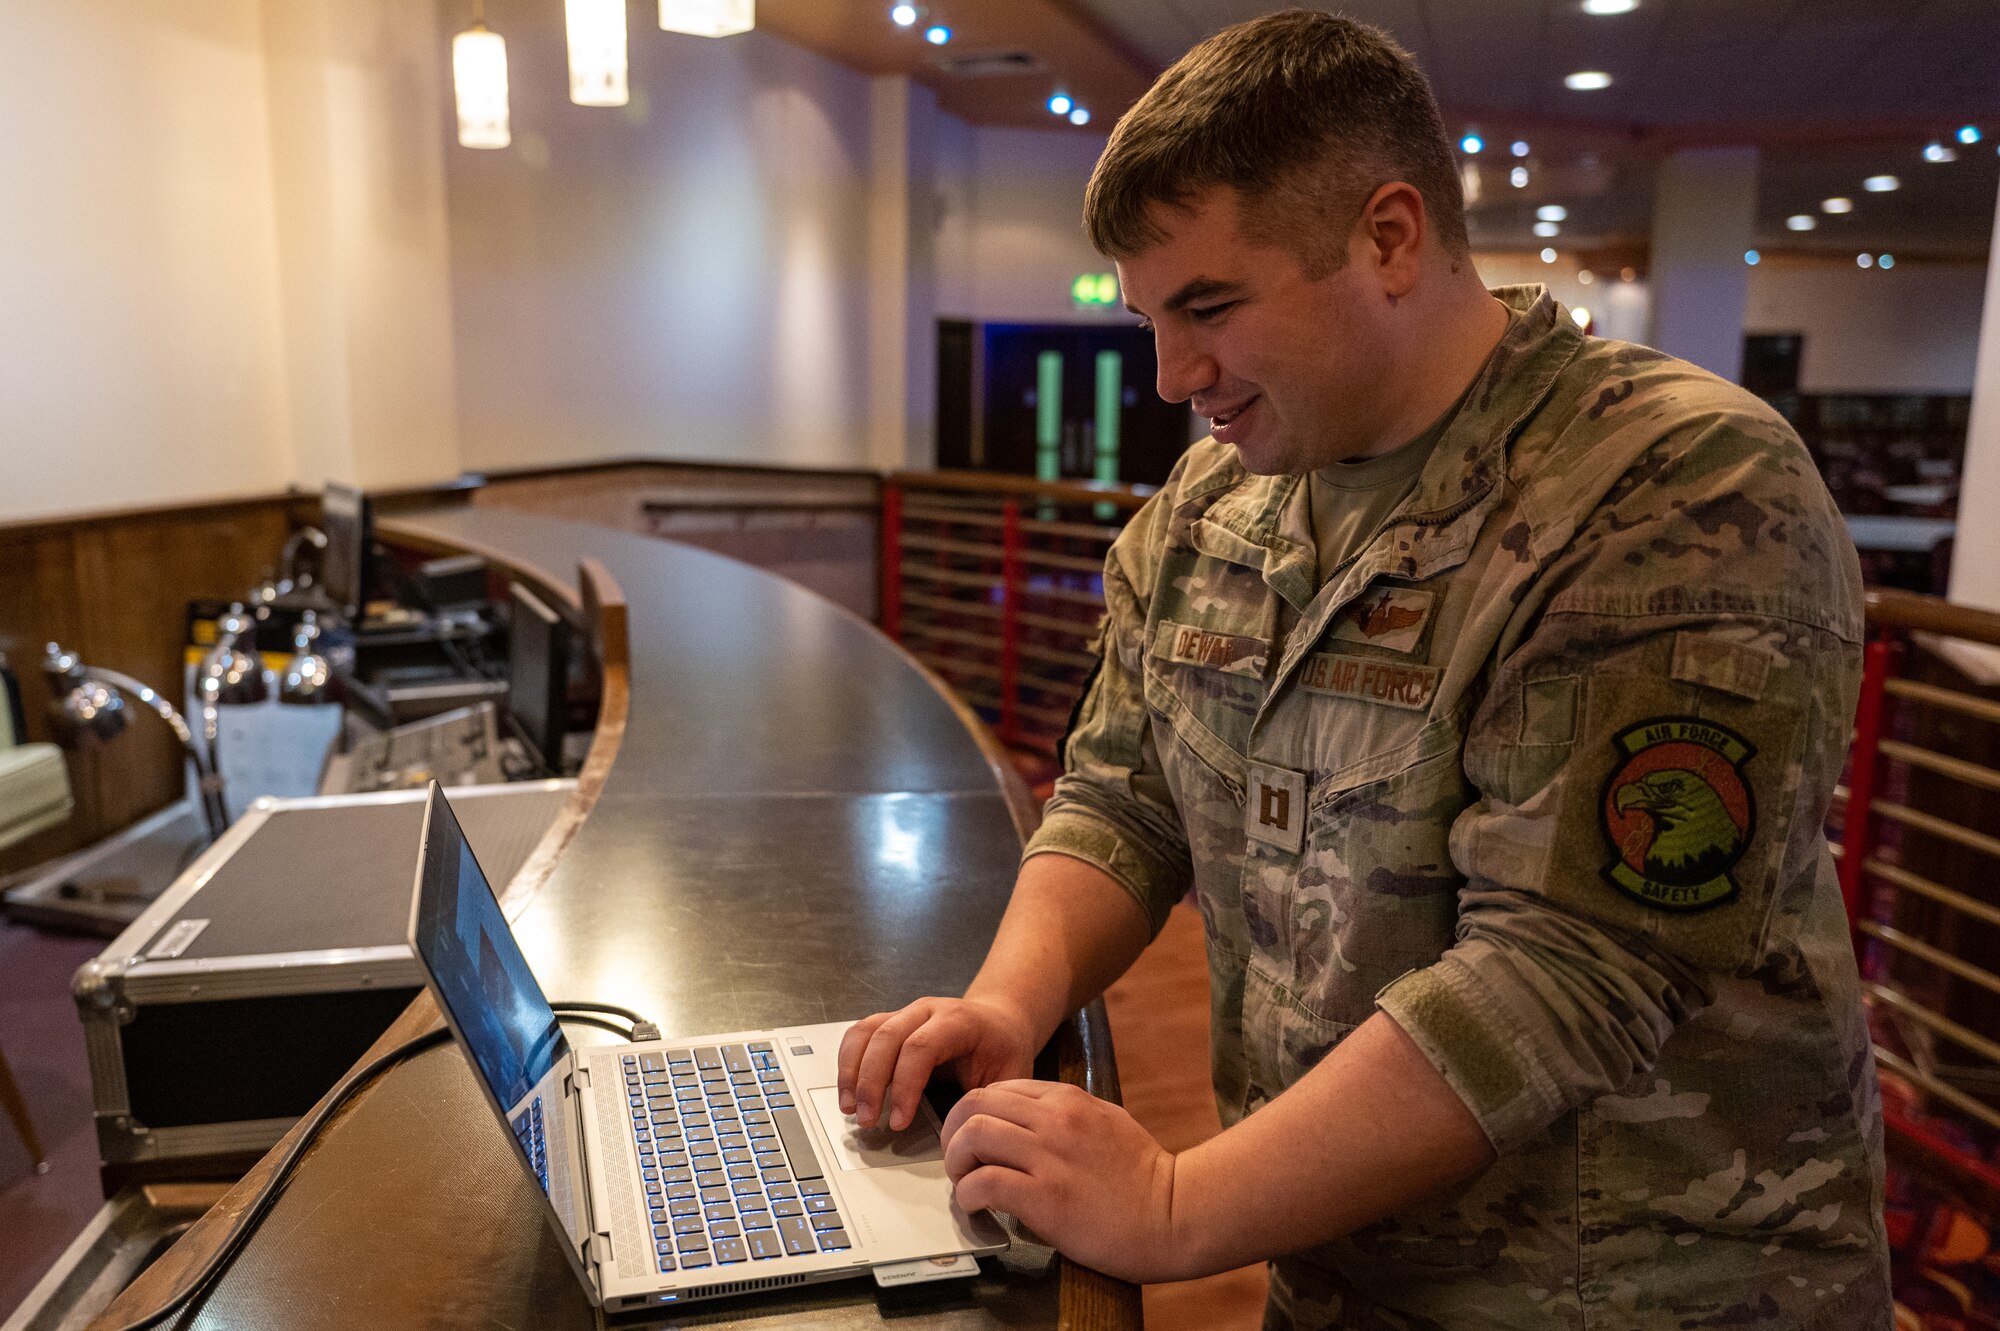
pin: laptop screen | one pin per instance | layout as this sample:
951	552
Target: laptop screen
481	977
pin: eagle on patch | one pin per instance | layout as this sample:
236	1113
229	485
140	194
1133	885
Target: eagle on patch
1678	813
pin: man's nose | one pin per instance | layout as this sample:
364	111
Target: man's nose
1185	368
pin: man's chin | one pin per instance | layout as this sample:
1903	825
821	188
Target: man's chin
1261	460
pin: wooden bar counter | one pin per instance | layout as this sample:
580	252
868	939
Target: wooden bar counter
782	820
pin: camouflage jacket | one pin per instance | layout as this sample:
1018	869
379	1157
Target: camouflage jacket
1541	773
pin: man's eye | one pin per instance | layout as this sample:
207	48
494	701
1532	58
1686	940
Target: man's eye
1206	313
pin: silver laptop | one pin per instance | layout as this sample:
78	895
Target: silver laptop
678	1169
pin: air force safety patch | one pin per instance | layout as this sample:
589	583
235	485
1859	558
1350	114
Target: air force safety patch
1678	813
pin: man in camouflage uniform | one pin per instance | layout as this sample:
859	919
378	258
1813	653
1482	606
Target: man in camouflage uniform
1532	999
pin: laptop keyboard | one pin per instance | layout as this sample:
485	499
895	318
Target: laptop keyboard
729	1172
528	1129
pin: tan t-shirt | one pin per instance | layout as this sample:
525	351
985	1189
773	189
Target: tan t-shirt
1348	501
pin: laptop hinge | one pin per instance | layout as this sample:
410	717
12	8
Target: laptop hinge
579	1075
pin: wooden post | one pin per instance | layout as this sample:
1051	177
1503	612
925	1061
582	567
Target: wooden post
1010	621
891	614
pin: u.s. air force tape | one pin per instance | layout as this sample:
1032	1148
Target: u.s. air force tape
1371	679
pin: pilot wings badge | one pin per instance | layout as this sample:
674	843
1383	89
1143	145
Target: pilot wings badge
1391	617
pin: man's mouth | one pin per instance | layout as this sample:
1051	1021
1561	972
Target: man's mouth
1220	422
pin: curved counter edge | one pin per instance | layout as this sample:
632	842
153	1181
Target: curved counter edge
1080	1053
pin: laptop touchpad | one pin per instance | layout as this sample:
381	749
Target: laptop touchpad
857	1147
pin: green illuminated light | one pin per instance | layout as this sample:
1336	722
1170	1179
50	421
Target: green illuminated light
1094	290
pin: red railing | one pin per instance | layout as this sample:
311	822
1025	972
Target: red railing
1917	876
996	582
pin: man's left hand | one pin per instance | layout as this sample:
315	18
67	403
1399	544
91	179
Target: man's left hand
1077	1170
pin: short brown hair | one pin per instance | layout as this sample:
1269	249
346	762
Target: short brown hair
1304	114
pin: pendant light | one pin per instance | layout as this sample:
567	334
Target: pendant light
708	18
479	74
597	73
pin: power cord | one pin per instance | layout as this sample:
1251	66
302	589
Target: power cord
246	1222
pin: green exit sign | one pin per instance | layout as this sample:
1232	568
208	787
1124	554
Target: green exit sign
1092	291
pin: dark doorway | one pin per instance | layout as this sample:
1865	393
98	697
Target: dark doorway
1055	401
1771	363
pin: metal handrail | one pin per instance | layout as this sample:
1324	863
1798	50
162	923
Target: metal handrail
1908	611
995	485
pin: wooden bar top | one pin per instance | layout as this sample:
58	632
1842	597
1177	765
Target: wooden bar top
799	825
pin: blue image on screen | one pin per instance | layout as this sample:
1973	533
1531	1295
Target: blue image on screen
482	978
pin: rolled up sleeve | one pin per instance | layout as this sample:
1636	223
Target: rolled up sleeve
1653	765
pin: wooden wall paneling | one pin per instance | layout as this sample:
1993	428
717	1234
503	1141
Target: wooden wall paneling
38	603
115	589
134	580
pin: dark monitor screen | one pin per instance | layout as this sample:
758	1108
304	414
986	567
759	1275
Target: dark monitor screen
538	676
477	968
347	518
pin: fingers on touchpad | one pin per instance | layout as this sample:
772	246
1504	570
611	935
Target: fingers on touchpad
856	1147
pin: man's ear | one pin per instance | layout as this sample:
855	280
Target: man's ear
1395	226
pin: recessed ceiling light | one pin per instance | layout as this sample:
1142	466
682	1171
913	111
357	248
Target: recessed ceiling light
1552	212
1587	80
1604	8
937	34
1969	134
1549	255
1518	177
1471	145
1801	222
1060	104
1586	277
903	15
1886	261
1836	205
1938	152
1547	229
1520	148
1581	314
1865	260
1881	184
1079	115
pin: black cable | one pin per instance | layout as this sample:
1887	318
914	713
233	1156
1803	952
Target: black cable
592	1019
252	1215
610	1008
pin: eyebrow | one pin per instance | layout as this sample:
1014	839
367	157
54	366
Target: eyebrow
1201	288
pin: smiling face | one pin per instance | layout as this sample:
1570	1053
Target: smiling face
1297	372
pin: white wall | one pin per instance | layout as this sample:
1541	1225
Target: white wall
363	249
1975	556
141	357
1704	219
683	277
1617	308
1011	238
1913	329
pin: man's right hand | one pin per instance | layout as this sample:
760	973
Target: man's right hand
887	1059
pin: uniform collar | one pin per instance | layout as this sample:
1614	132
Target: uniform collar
1262	521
